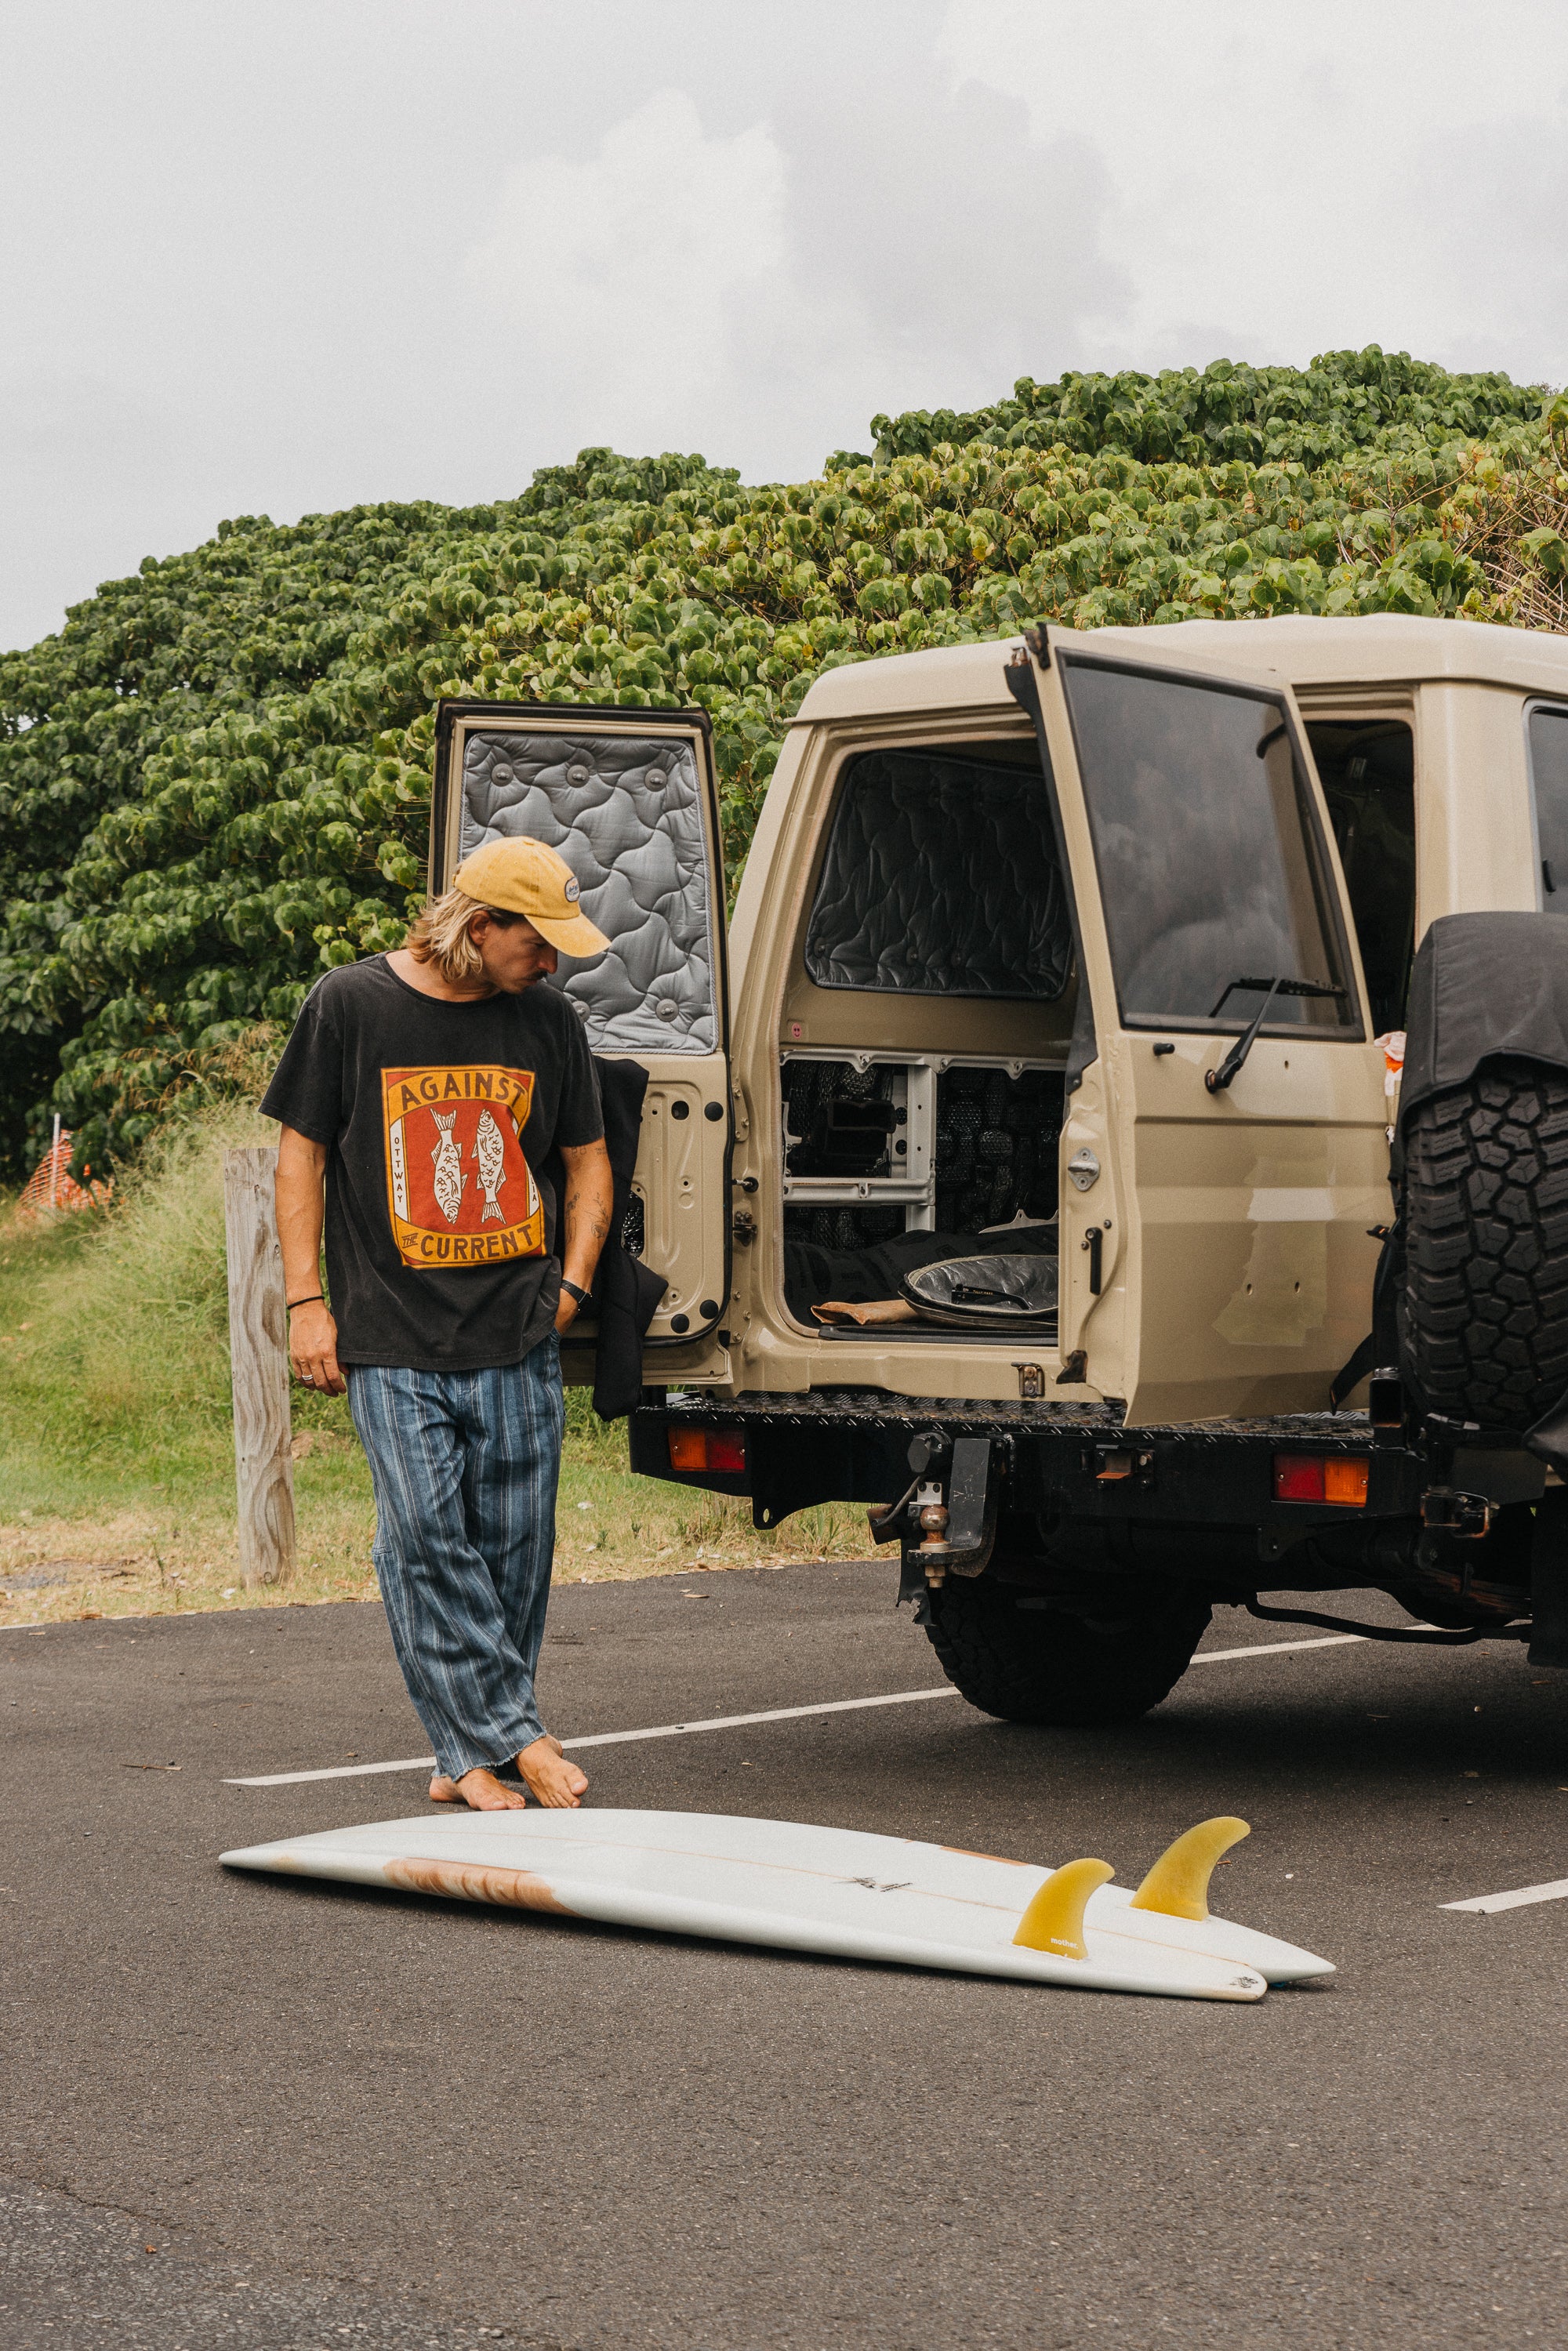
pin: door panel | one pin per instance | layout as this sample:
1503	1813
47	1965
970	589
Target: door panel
681	1171
1202	857
628	798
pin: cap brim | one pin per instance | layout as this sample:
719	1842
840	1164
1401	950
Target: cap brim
574	936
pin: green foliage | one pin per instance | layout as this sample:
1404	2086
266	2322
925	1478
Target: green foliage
215	781
1345	402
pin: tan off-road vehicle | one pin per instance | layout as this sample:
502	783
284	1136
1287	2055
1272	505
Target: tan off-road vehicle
1018	1163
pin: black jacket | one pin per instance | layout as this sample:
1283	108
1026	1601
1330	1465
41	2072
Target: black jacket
626	1292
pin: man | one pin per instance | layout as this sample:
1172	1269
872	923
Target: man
427	1089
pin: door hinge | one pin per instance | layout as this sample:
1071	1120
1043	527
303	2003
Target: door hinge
743	1224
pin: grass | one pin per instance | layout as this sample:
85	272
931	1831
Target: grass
116	1490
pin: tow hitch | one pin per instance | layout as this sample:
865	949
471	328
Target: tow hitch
1446	1511
945	1520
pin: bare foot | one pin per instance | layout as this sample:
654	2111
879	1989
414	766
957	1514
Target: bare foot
551	1779
479	1790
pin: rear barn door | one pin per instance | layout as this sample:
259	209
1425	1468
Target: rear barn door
628	798
1250	1166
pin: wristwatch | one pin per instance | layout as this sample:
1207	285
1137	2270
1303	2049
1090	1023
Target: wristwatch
573	1291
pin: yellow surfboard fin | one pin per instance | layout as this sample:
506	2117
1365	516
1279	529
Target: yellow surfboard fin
1054	1919
1178	1881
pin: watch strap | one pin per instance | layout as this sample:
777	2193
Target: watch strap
573	1291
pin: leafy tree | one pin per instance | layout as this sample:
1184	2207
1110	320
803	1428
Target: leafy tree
215	780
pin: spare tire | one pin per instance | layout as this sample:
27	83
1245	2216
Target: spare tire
1483	1308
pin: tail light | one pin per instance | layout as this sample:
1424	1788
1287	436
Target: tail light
1338	1478
719	1450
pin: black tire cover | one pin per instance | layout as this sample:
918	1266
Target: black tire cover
1484	986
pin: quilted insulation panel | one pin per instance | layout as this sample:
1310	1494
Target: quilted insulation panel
941	878
624	811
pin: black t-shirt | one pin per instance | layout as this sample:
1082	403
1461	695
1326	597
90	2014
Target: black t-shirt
441	1225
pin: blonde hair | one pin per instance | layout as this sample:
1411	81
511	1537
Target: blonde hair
443	934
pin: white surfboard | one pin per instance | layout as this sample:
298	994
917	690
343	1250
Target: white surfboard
846	1893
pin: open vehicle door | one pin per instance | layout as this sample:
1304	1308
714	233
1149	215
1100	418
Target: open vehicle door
1226	1149
628	798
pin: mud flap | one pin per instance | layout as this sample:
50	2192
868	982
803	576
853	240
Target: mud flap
1549	1579
1378	1353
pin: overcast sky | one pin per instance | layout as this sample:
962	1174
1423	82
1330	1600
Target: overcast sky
278	255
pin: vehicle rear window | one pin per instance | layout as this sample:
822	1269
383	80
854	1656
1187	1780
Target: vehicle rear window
1549	777
1367	769
1211	869
941	878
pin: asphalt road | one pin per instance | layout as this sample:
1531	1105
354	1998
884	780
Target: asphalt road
280	2114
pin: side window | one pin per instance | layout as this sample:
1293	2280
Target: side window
1211	871
1549	782
1368	774
941	878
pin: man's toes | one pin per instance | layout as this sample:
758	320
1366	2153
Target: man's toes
483	1793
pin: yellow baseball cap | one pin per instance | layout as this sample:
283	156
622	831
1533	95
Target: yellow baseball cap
526	877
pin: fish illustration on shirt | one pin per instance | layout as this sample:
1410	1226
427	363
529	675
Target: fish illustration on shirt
491	1153
448	1179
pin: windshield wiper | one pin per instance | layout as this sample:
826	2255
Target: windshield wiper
1217	1080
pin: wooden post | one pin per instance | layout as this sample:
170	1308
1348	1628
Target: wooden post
258	1350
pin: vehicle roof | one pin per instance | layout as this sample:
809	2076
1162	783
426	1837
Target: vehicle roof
1379	648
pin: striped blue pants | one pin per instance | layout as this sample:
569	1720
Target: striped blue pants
465	1466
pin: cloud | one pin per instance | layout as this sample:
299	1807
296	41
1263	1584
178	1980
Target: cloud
1288	181
759	292
617	271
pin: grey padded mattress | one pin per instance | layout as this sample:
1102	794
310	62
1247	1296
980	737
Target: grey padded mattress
941	878
625	812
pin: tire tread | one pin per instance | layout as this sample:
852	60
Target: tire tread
1483	1310
1042	1666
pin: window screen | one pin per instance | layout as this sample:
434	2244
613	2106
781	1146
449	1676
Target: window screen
941	878
1209	863
624	811
1549	776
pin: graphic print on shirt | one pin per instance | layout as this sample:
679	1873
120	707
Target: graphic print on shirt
460	1191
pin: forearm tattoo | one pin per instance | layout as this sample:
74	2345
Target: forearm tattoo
588	1211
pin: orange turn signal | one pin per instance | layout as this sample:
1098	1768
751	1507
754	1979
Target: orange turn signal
721	1450
1338	1478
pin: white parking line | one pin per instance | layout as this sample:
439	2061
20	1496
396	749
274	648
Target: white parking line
1556	1891
1273	1648
743	1721
336	1771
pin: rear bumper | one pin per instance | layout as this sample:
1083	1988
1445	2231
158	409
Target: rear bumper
1062	1459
